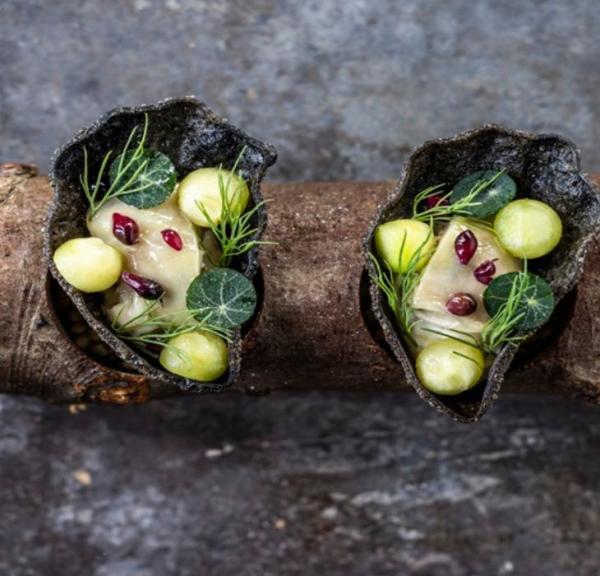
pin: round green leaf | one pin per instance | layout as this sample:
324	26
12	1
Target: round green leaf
491	198
222	298
537	301
152	185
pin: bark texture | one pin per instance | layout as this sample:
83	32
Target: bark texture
311	332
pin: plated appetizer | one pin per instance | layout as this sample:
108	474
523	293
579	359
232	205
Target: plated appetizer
466	268
161	256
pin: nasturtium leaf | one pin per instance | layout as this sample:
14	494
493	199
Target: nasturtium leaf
153	184
491	198
537	301
222	298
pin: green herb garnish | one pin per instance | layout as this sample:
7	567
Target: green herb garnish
157	330
461	355
517	303
139	177
459	336
155	178
235	231
502	326
222	297
536	300
399	288
450	204
497	191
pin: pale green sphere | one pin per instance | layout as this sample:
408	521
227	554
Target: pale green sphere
196	355
208	187
407	236
528	228
449	367
88	264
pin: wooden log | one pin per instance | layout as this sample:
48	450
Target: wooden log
312	332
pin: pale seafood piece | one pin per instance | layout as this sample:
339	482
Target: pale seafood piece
152	258
444	275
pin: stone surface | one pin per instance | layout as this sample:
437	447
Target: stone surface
343	89
306	483
360	484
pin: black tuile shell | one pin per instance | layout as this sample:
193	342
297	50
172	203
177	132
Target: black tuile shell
192	136
545	167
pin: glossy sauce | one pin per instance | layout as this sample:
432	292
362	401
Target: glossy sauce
444	276
151	257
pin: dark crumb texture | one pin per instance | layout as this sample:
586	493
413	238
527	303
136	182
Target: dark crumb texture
545	167
192	136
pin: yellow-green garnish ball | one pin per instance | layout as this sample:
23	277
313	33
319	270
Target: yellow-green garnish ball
196	355
88	264
406	236
207	187
528	228
449	367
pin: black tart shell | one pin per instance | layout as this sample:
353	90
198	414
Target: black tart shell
192	136
545	167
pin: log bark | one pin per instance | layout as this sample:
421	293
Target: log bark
312	331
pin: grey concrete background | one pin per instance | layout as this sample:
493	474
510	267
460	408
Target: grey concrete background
314	483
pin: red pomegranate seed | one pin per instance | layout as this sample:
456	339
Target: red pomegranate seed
465	246
125	229
173	239
145	287
435	200
484	273
461	304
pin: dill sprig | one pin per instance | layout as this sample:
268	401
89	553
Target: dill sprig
443	210
384	279
120	185
235	232
458	335
428	192
463	338
469	358
160	329
399	289
501	328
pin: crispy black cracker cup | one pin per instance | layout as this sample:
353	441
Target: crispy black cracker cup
545	167
192	136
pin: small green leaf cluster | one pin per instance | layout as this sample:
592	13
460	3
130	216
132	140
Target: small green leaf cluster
139	177
399	288
221	297
517	303
234	230
476	196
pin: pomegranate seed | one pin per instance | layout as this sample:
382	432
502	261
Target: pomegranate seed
125	229
173	239
484	273
461	304
465	246
435	200
145	287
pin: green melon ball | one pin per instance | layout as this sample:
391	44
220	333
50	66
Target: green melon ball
206	187
528	228
406	236
443	369
196	355
88	264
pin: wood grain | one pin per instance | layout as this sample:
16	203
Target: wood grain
311	332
